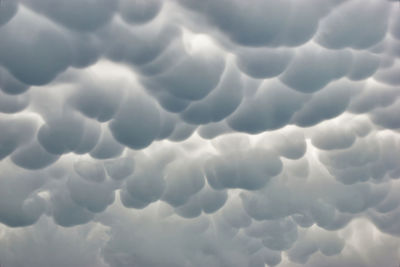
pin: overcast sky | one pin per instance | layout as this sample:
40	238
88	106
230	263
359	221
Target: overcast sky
199	133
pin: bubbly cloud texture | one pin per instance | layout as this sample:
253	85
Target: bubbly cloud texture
188	133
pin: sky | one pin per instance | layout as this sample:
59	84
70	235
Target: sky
199	133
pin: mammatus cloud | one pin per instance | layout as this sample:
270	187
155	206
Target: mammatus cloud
191	133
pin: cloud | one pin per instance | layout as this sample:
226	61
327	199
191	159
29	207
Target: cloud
139	11
264	63
8	10
312	70
350	32
270	108
44	44
76	15
199	133
137	123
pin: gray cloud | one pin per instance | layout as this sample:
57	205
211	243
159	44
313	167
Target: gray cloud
199	133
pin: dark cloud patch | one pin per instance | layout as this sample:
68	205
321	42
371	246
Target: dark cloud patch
212	130
139	11
119	168
389	76
66	212
193	78
137	123
147	184
90	171
267	20
250	170
15	133
154	43
333	137
182	181
37	56
10	85
291	144
86	49
327	103
310	70
98	100
77	15
19	205
142	189
220	103
13	104
91	195
264	63
107	147
373	96
8	9
345	26
386	117
363	66
65	133
33	156
271	108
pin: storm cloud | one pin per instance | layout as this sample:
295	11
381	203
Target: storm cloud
189	133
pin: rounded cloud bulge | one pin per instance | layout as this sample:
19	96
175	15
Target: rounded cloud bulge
190	133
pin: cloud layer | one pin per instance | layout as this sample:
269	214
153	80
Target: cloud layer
199	133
